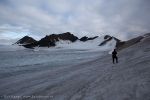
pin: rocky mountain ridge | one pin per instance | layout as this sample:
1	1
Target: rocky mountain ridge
125	44
50	40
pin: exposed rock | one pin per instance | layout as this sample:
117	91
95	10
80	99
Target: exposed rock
92	38
124	44
47	41
31	45
67	36
147	34
52	39
86	38
107	38
26	40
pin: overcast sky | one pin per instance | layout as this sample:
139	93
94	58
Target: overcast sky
121	18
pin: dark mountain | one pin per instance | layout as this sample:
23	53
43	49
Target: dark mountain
124	44
108	38
52	39
86	38
31	45
26	40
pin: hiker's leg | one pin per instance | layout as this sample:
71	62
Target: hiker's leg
116	59
113	60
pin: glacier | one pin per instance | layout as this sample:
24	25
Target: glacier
75	72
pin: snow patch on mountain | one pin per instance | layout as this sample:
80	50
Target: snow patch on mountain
88	45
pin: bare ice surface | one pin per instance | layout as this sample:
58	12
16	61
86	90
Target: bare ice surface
76	75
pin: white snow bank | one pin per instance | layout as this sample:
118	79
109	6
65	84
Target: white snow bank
88	45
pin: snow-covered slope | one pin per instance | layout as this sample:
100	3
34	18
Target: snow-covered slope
97	79
88	45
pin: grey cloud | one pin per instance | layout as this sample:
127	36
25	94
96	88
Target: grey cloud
121	18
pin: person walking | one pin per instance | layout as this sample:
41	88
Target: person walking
114	56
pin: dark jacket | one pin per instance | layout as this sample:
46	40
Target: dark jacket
114	54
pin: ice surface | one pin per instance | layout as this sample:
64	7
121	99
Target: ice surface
64	74
10	47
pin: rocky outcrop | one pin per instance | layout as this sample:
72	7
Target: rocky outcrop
31	45
47	41
52	39
26	40
125	44
86	38
107	38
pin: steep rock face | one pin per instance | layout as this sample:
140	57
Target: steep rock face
31	45
26	40
107	38
47	41
67	36
125	44
86	38
52	39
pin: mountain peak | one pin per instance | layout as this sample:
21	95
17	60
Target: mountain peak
26	40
